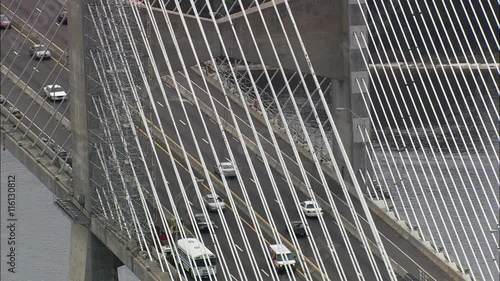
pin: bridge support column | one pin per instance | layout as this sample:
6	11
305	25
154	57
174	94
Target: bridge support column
90	259
348	107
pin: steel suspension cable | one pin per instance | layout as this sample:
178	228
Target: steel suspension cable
373	228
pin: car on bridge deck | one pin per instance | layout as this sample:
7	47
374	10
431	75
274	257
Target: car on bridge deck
282	257
202	222
214	202
298	228
55	92
4	22
226	169
311	208
62	18
39	52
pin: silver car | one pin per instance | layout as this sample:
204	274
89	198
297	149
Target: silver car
226	169
40	52
55	92
213	203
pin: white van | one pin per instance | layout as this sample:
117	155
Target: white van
282	257
196	258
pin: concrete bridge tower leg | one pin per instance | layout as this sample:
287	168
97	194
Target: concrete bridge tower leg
90	259
327	29
348	107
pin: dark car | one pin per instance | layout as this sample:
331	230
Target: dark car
298	228
62	18
203	222
4	21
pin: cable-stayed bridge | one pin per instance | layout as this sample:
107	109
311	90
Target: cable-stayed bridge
383	113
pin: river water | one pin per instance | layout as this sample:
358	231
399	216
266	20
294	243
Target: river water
42	231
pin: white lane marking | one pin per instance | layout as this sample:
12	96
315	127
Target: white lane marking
182	122
235	139
204	140
188	101
34	68
38	10
263	271
252	180
213	121
241	250
168	85
232	277
159	104
15	53
283	179
228	160
260	159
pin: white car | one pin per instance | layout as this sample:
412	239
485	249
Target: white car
55	92
226	169
311	208
214	202
39	52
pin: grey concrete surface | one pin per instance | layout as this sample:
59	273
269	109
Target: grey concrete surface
320	35
181	35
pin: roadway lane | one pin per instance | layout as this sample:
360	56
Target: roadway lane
206	152
40	14
398	248
36	119
257	203
269	194
196	207
37	74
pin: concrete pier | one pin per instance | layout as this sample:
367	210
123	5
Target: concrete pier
90	259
